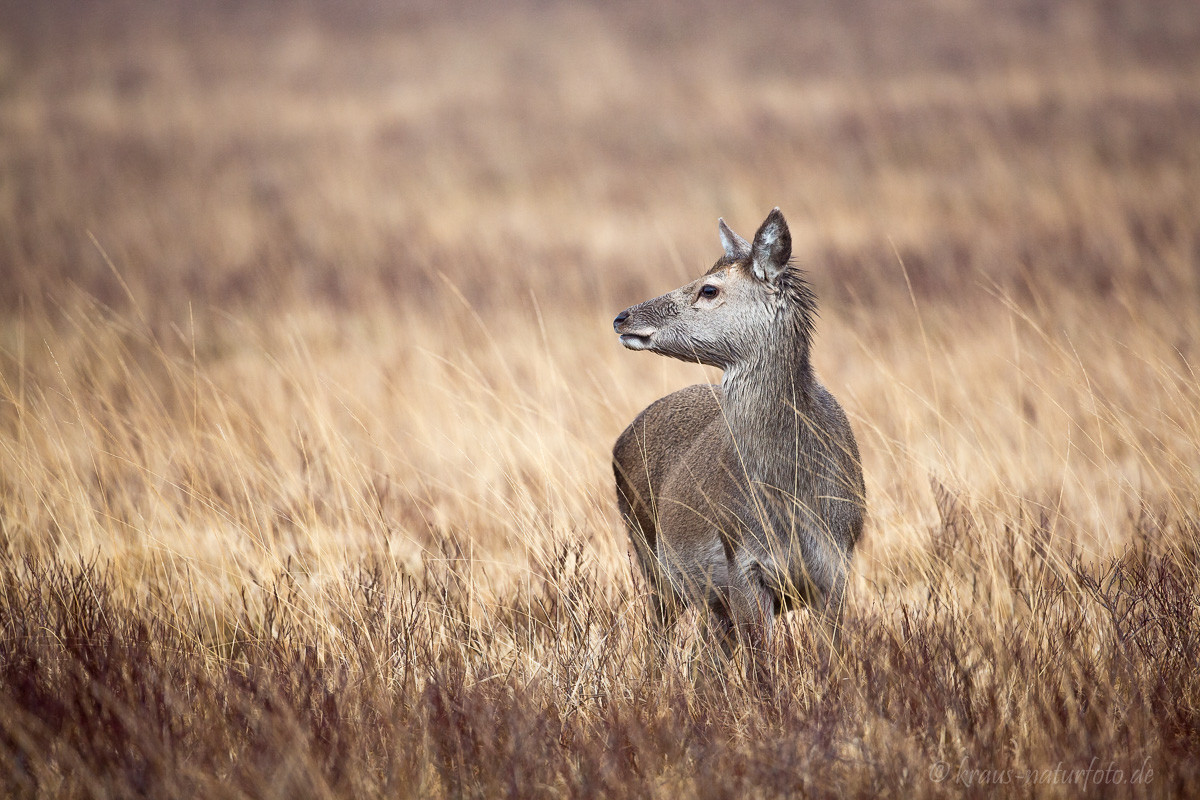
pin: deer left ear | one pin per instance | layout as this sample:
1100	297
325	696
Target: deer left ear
772	248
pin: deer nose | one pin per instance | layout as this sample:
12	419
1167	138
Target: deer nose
624	315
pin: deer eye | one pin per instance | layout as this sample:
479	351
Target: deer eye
709	291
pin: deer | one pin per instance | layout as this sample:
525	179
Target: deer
744	499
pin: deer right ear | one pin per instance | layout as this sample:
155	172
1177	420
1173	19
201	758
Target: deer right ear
736	248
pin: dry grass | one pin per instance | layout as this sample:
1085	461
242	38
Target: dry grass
307	386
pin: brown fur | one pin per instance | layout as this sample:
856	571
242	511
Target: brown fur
747	497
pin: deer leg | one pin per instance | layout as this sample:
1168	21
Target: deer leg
751	607
743	613
830	605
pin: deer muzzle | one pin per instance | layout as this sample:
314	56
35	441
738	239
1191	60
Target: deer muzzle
634	332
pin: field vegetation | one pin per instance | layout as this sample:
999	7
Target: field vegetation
308	386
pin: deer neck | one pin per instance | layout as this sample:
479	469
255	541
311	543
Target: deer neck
768	405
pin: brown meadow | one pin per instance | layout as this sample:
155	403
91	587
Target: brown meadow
308	387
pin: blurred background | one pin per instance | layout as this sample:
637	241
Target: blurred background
264	154
401	230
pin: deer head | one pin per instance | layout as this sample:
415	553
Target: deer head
750	303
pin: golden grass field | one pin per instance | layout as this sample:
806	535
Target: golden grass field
308	387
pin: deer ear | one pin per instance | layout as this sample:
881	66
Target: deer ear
772	248
735	246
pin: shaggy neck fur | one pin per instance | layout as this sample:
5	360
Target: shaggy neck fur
769	396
